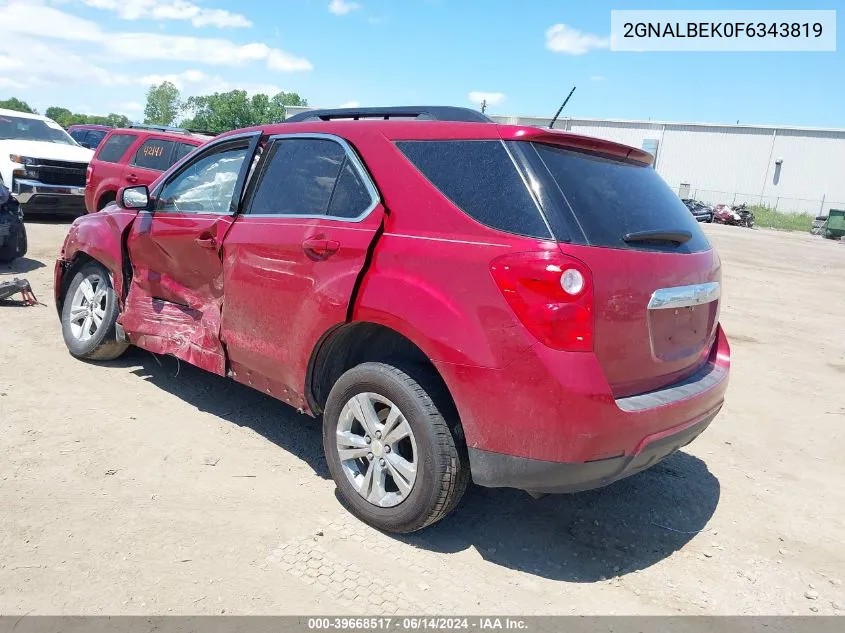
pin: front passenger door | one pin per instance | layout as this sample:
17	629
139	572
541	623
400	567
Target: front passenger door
174	301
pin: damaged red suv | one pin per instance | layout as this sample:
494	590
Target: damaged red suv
458	299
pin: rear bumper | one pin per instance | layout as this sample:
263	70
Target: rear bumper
38	197
554	412
495	470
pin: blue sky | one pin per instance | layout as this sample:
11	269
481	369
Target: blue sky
99	56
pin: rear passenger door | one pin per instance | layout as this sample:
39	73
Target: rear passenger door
152	157
292	259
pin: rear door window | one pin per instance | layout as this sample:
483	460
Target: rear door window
612	198
182	150
479	178
298	178
154	153
351	197
115	147
78	135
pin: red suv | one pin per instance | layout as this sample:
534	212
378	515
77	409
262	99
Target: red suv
134	156
526	307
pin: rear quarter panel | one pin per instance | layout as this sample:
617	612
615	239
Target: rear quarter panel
108	177
429	278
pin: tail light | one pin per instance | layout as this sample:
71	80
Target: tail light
88	173
551	294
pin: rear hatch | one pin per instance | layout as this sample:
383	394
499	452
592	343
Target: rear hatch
655	277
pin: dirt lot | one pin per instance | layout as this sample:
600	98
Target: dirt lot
145	486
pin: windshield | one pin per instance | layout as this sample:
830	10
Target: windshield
25	129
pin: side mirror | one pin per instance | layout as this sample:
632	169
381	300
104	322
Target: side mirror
85	145
134	197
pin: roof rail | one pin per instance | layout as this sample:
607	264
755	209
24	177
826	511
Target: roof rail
169	129
420	113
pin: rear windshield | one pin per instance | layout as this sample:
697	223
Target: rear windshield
115	147
611	198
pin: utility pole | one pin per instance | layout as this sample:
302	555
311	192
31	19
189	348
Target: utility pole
484	106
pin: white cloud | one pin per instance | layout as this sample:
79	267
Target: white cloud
177	79
33	18
43	22
561	38
342	7
171	10
128	107
47	64
8	82
492	98
216	52
597	77
350	104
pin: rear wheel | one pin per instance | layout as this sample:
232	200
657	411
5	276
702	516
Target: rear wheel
89	315
395	460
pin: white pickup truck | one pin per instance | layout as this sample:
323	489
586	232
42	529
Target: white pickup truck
41	164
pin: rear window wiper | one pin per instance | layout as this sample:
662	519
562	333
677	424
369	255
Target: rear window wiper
663	235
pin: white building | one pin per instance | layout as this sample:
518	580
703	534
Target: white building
790	168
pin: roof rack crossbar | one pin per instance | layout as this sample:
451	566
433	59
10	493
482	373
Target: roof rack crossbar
169	129
421	113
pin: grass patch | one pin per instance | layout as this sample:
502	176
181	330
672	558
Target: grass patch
767	217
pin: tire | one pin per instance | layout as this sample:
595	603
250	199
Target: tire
101	342
106	199
441	469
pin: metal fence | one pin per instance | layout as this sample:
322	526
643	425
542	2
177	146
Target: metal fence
778	203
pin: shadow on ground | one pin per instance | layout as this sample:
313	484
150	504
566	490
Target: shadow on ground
20	265
589	536
614	531
49	218
233	402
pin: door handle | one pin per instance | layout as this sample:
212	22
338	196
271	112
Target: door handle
132	178
206	242
320	248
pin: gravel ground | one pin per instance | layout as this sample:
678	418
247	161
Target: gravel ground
147	486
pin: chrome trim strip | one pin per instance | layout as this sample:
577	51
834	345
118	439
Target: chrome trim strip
684	296
357	164
24	190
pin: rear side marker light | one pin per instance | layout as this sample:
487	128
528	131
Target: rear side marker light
552	296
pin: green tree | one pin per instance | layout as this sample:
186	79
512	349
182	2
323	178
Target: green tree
163	104
62	116
13	103
223	111
117	120
65	118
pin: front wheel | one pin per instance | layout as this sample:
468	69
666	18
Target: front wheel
396	462
89	315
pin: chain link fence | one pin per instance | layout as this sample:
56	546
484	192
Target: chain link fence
778	204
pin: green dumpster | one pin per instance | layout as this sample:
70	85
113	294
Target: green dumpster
835	224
